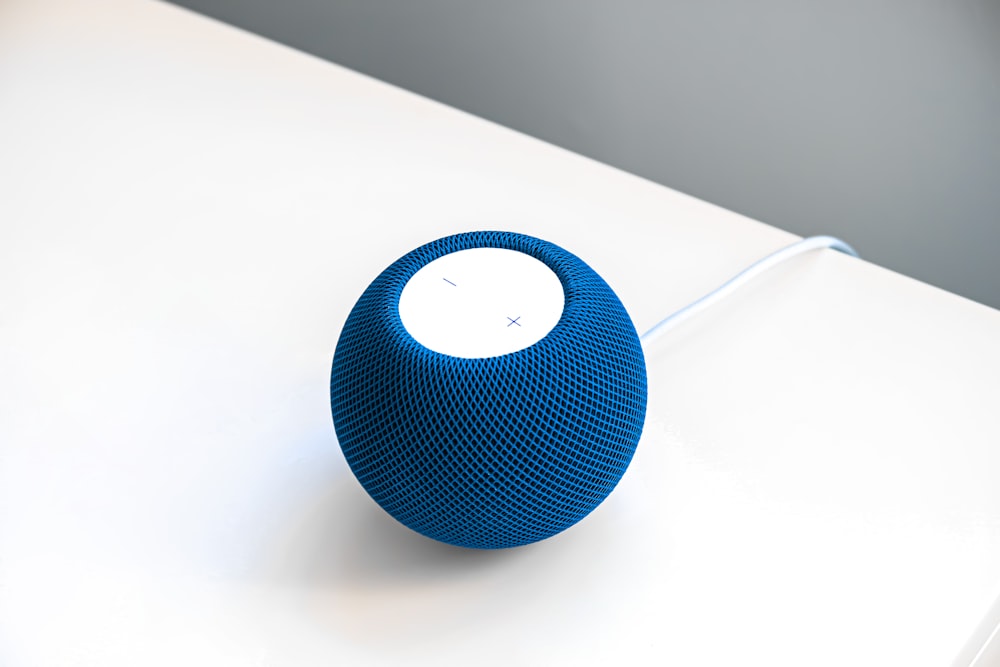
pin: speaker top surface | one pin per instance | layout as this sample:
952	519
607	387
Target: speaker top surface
481	302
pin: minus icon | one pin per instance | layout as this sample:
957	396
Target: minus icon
449	282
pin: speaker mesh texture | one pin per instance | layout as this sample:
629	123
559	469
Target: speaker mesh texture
493	452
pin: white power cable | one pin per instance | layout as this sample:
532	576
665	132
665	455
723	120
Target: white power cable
737	281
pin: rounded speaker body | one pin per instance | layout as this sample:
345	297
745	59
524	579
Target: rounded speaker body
476	402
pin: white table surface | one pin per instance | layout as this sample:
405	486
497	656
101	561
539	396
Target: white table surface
187	214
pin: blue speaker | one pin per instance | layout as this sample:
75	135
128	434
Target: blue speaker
488	389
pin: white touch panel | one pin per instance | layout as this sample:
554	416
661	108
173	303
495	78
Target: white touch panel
481	302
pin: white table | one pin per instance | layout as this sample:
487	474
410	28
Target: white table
187	214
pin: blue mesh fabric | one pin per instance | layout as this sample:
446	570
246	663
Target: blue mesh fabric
495	452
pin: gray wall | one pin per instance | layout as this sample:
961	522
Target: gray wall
874	120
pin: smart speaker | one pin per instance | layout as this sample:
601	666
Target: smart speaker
488	389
